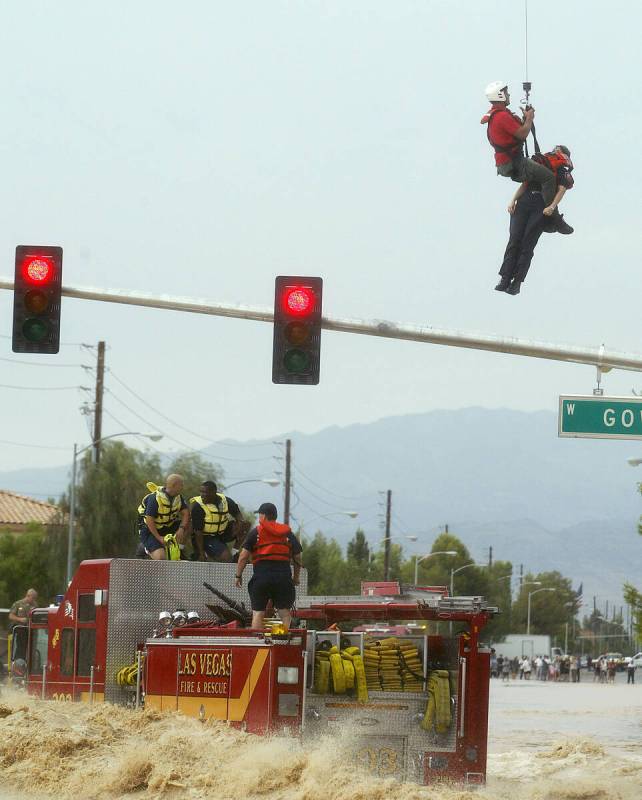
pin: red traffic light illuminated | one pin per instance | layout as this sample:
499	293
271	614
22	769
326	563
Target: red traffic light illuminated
38	269
298	301
297	330
36	299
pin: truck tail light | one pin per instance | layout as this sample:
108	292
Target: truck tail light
288	675
288	705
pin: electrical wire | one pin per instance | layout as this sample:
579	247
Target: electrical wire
41	388
320	499
35	446
182	427
62	344
178	441
297	468
40	364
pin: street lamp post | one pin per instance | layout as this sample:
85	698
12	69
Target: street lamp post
423	558
453	572
268	481
155	437
528	614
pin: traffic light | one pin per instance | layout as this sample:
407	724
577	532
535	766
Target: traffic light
37	291
297	330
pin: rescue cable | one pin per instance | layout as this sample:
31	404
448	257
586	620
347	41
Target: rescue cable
527	85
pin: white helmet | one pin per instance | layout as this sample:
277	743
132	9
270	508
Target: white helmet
495	92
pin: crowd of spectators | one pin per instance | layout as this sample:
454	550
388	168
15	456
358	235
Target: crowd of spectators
557	668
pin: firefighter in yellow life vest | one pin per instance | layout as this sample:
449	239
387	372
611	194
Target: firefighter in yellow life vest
163	511
215	519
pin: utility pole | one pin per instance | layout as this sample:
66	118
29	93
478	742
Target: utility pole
386	543
521	577
98	407
288	466
490	556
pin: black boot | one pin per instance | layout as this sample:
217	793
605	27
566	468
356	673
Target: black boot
503	284
555	224
514	287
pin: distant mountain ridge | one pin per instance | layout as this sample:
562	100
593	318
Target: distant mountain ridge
499	477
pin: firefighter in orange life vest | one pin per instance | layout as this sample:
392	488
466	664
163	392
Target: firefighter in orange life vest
271	546
507	133
215	518
529	219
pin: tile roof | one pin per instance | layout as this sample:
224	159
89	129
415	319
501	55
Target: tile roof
16	509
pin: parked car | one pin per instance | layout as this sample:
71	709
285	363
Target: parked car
617	657
637	660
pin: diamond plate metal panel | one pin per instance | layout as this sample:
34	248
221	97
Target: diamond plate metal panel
139	590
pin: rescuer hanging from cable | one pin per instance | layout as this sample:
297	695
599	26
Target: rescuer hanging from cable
163	519
507	134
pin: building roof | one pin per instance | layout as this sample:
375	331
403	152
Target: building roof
16	509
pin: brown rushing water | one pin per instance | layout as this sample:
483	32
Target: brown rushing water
547	742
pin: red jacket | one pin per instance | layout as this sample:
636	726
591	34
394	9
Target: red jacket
272	542
502	125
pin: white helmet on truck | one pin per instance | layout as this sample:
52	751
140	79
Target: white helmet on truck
495	92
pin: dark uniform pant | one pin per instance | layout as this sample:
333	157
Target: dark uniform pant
526	226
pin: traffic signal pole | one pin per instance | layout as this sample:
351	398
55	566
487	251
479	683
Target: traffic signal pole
598	357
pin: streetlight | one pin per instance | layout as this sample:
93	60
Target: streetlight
634	462
528	615
401	536
268	481
155	437
453	572
423	558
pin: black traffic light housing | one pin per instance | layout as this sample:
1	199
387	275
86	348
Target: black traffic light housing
296	351
37	292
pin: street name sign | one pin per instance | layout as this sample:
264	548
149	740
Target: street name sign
596	417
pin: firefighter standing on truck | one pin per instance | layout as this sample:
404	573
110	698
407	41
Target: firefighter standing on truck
214	519
271	546
163	513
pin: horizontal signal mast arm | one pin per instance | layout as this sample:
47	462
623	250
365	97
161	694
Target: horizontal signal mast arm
594	356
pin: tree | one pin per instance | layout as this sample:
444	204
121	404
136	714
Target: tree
327	570
107	498
550	611
195	469
26	561
633	598
358	562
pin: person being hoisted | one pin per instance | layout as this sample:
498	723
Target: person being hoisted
507	134
529	218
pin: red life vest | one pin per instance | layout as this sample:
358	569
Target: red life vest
271	542
512	150
553	160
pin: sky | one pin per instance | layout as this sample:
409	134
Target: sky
201	149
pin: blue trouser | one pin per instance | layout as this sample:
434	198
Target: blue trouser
526	226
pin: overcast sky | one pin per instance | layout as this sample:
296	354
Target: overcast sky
200	149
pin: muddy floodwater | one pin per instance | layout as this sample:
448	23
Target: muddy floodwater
547	742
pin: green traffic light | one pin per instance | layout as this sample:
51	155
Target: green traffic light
35	330
296	361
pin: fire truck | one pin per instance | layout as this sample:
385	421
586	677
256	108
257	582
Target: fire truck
405	672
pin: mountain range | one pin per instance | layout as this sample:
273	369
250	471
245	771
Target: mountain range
498	477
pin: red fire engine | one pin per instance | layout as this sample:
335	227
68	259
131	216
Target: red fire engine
134	633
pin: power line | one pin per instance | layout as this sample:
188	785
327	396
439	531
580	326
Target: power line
182	427
35	446
39	363
178	441
297	468
62	344
41	388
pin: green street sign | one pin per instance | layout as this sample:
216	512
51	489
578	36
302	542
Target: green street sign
595	417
